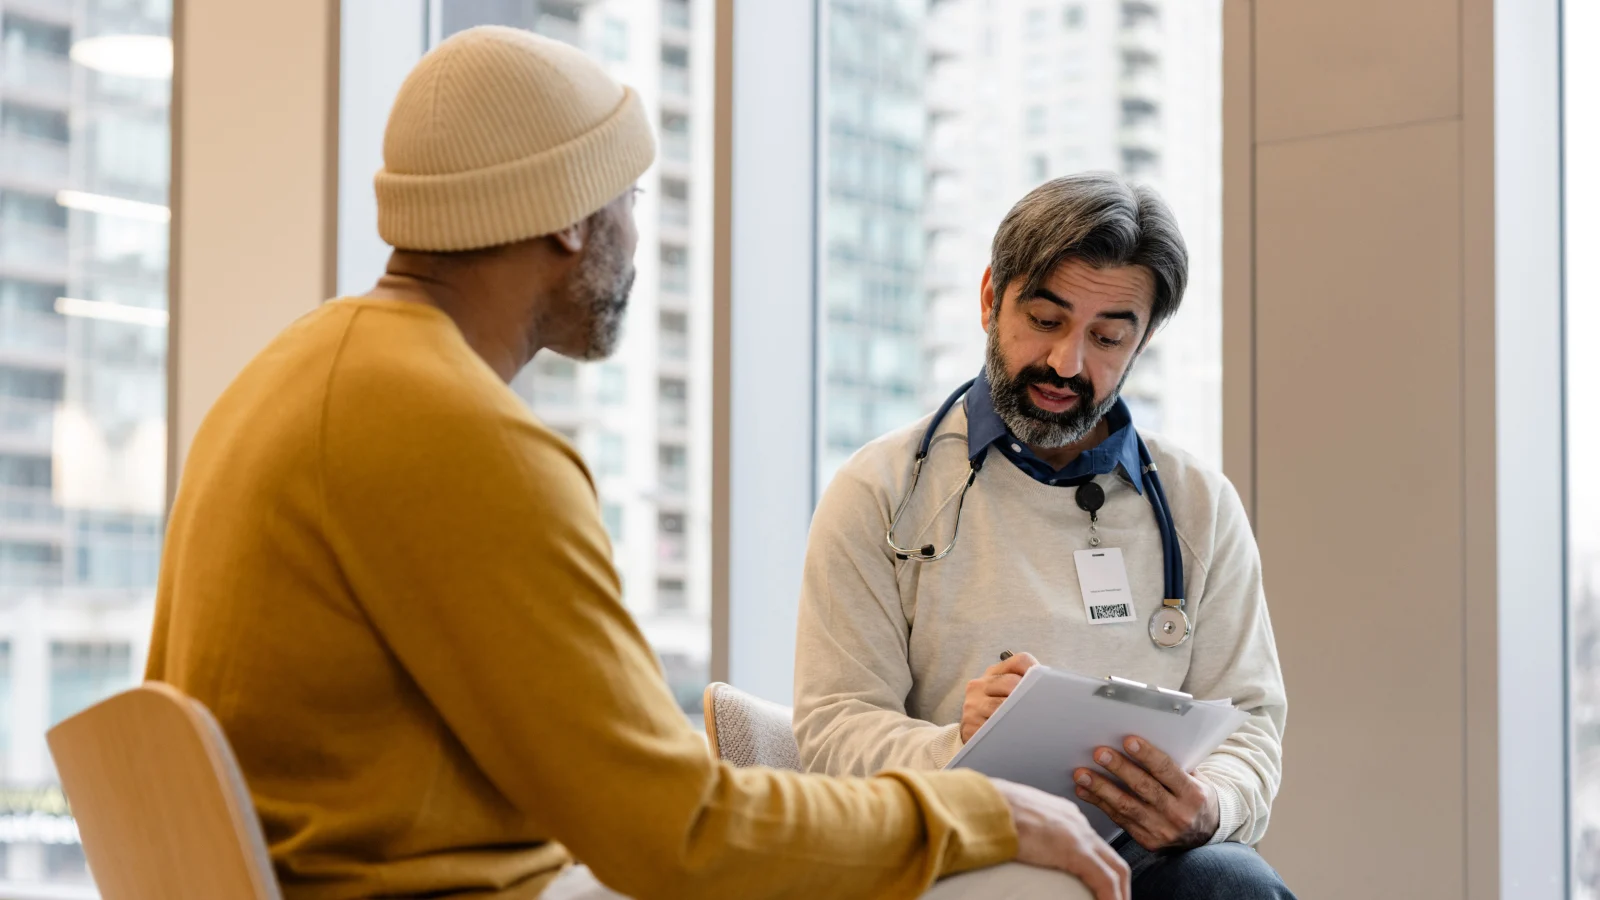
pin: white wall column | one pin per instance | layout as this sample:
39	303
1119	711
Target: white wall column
764	321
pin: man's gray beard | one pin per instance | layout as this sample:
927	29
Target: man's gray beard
1030	424
600	290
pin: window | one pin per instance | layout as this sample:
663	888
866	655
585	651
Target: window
1038	121
672	546
674	335
1140	14
675	138
83	674
674	462
674	203
1040	167
1581	130
675	14
674	268
674	71
674	403
642	397
670	598
615	40
613	454
613	389
32	121
550	382
612	515
898	288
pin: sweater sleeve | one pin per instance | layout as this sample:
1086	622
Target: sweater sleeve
472	540
852	668
1235	656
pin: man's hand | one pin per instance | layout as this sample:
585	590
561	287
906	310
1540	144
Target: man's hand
1164	808
1052	833
986	692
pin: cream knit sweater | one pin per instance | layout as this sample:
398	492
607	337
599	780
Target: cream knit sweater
886	647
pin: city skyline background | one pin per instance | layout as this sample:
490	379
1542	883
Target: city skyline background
936	116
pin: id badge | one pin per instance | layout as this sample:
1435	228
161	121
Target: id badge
1103	579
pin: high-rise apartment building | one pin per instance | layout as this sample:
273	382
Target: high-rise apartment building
642	418
1011	93
870	290
84	98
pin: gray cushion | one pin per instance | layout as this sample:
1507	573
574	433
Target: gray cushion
748	731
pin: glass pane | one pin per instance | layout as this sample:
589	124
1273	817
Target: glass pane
1581	27
642	419
84	92
941	115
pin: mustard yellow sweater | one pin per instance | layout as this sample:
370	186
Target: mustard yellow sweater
391	585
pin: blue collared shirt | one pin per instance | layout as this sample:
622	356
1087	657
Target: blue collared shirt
1120	449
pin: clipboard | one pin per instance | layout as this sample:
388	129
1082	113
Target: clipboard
1054	720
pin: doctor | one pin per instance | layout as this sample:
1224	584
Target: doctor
903	613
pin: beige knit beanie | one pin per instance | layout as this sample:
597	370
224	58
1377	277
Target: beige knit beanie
500	135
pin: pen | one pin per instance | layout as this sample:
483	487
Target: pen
1005	655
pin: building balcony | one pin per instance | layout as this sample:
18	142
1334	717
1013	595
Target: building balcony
674	213
944	38
674	297
30	508
675	147
39	332
674	345
672	415
1143	84
27	423
53	11
1143	41
675	83
945	89
675	280
18	573
674	481
33	160
672	550
1145	132
34	247
675	15
44	77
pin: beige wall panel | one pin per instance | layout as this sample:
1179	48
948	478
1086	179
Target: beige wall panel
1324	67
1359	504
255	89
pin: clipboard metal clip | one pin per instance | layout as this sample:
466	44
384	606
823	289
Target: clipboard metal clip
1136	693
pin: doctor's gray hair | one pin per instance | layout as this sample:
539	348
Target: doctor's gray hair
1100	218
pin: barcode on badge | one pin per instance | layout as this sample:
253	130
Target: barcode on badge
1109	611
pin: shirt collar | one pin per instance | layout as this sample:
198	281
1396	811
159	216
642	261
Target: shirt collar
1120	449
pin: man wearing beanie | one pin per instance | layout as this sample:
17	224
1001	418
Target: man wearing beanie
390	582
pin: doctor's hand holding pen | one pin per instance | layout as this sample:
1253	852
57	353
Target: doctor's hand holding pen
986	692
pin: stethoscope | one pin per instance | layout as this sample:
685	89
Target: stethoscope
1169	625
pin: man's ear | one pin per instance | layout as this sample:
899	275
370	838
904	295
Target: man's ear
572	237
987	298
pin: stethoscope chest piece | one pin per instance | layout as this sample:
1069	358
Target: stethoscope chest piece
1169	626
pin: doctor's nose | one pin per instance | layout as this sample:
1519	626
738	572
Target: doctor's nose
1066	356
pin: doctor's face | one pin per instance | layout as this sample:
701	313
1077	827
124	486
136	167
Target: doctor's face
1057	359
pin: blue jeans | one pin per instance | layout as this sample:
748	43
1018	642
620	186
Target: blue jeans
1214	872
